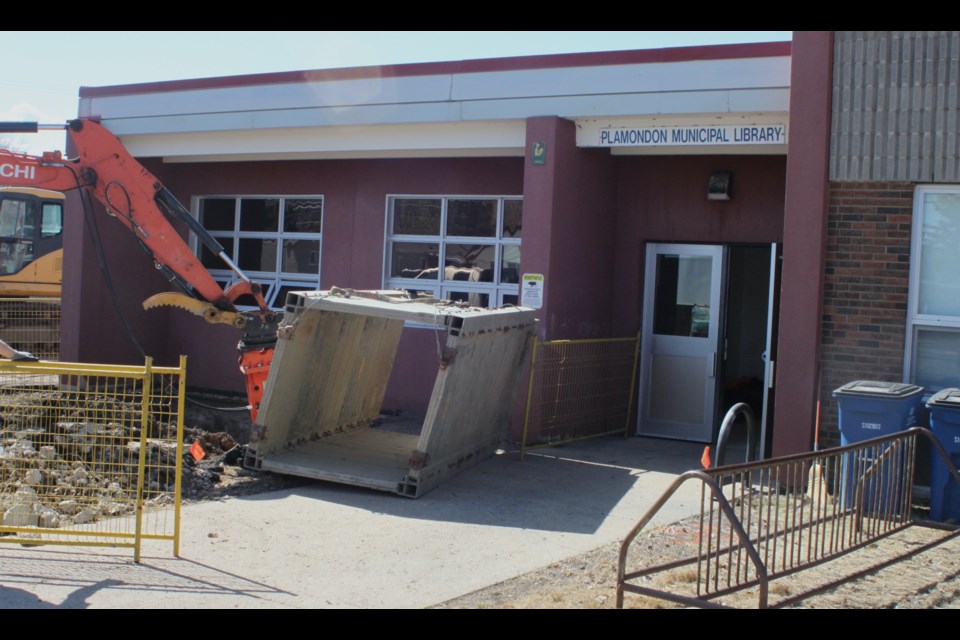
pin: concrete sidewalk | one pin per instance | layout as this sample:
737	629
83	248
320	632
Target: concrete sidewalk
328	545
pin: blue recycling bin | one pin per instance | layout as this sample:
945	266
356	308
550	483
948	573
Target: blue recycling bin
944	409
870	409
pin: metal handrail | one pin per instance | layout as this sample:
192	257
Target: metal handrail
724	435
788	514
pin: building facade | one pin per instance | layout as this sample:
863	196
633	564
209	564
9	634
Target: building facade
716	201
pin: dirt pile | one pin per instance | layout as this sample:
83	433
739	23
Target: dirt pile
221	429
205	458
219	472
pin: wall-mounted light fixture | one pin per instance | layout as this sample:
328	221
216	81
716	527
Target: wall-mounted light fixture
718	188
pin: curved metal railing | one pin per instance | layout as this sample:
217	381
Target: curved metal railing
762	520
741	408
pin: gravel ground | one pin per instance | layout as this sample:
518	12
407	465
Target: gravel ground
928	580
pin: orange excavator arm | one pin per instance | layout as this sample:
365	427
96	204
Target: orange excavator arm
140	202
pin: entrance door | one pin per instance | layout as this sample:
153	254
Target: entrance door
680	338
749	332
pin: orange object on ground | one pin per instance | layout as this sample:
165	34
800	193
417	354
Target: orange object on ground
197	451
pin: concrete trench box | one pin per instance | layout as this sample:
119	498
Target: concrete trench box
325	390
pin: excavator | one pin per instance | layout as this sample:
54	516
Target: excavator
31	268
103	169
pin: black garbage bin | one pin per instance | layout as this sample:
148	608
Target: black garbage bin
944	409
870	409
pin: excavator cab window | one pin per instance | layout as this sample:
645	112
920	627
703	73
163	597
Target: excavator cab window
16	234
51	220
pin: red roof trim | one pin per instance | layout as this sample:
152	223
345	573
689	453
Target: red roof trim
675	54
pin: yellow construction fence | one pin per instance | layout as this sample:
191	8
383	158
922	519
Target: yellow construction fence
32	324
579	389
91	454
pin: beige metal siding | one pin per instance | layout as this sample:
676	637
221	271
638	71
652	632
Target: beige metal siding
895	106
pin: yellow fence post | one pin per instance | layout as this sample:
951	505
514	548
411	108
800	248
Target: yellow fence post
142	458
633	386
526	417
178	483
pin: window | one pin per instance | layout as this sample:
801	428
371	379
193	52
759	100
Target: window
933	320
274	240
51	220
476	240
16	235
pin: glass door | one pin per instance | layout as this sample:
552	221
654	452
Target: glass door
679	342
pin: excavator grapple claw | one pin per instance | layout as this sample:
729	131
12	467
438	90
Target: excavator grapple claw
197	307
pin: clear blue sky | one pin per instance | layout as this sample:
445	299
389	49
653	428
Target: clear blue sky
49	67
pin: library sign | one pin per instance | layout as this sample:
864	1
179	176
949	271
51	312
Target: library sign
752	134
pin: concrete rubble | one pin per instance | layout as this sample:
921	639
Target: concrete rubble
60	468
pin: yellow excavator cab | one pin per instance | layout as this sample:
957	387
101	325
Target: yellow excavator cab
31	242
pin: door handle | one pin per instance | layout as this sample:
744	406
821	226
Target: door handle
712	365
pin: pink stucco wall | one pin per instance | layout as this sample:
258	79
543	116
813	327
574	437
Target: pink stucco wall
664	199
568	236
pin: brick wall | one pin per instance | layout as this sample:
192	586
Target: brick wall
865	289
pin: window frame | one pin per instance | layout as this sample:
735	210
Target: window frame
273	281
916	321
441	288
46	213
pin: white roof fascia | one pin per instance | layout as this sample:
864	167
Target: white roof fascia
762	100
700	75
437	115
650	77
292	95
573	107
288	118
432	96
